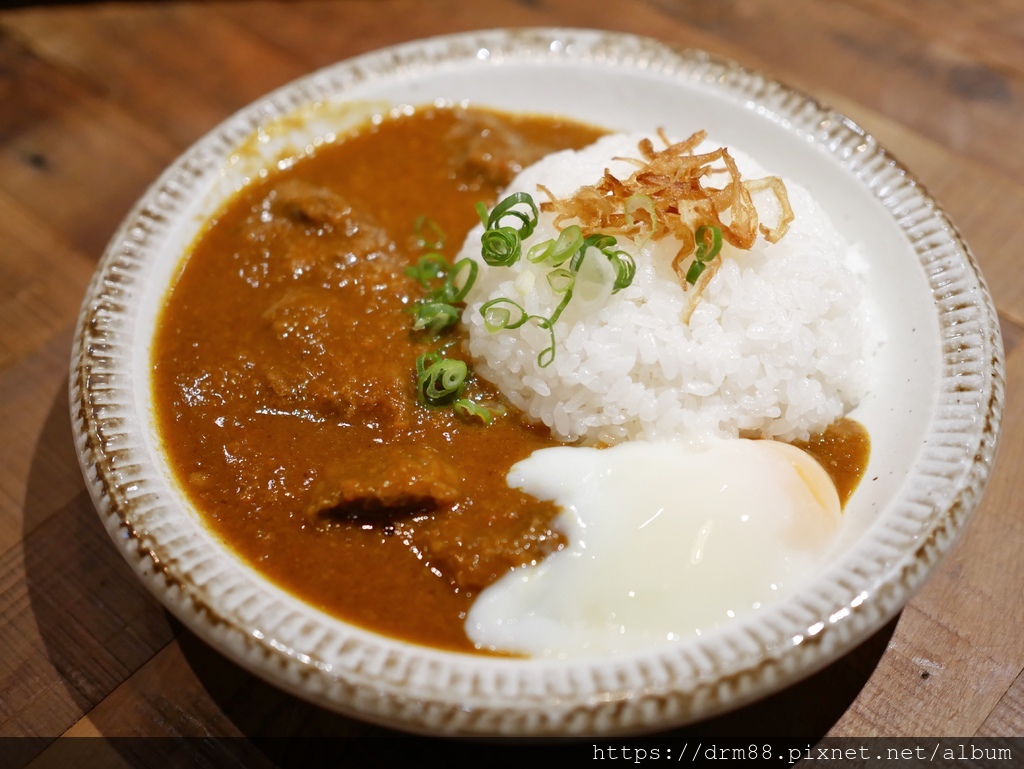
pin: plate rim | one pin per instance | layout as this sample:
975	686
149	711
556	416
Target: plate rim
633	694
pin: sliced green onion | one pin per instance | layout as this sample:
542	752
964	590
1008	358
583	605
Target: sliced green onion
625	269
426	360
704	253
507	208
569	241
556	251
500	247
539	251
460	280
622	262
570	245
428	233
481	211
496	318
694	272
547	355
502	313
561	280
429	267
439	380
468	409
434	316
501	243
437	311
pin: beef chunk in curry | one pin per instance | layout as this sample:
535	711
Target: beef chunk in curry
386	480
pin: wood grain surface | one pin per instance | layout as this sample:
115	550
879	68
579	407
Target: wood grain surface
95	99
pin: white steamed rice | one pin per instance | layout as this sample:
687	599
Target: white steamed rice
776	347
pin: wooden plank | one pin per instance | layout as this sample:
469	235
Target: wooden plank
132	55
978	590
325	32
191	690
38	464
1008	715
75	619
69	158
1012	332
42	282
992	32
83	753
944	686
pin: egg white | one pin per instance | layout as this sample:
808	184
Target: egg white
667	540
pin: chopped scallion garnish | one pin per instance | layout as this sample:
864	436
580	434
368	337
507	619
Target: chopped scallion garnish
704	253
437	310
428	268
460	279
439	380
557	250
428	233
501	246
497	314
501	243
468	409
434	316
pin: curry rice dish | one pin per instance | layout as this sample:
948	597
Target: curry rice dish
286	388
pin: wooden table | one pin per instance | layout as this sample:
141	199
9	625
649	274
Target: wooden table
96	99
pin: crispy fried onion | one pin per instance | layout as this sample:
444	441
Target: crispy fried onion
666	195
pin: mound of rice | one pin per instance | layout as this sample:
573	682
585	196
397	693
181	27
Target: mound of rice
776	347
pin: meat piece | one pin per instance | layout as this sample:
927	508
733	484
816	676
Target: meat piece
490	153
375	403
309	204
388	479
299	228
472	553
324	357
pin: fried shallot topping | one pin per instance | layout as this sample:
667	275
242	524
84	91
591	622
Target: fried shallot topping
668	196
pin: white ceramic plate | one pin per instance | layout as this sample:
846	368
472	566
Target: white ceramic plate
933	413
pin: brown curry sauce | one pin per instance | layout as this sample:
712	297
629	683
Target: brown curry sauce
283	376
